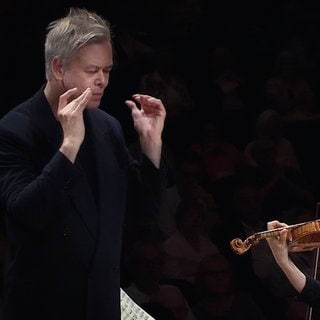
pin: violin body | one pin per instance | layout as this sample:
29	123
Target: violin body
303	237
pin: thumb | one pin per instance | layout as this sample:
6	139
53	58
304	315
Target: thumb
131	104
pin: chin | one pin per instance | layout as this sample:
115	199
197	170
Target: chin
93	105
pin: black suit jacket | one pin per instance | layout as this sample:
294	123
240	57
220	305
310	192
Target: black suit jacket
63	221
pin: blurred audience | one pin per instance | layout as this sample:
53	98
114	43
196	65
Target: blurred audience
281	185
222	160
143	265
171	298
187	245
217	294
164	81
269	123
288	89
188	181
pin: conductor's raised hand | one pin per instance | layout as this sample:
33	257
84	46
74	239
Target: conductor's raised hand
70	116
148	114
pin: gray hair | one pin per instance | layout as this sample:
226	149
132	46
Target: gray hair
70	33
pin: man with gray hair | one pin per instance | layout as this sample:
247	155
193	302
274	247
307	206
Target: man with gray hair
65	176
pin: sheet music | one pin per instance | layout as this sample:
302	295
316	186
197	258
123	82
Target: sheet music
130	310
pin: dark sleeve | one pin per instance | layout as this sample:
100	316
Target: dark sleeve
154	182
311	293
29	197
145	196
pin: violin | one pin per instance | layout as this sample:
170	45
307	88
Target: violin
303	236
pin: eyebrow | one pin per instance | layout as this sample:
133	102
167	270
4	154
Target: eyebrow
94	66
109	67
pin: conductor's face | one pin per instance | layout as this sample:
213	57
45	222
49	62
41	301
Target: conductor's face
90	68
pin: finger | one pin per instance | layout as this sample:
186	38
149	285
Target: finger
150	101
65	97
76	104
146	99
83	99
130	104
272	224
275	224
283	234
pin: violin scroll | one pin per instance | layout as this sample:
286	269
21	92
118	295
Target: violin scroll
239	246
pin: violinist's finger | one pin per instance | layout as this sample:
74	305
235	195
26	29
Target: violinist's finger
275	224
283	235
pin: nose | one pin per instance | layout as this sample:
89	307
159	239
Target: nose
102	79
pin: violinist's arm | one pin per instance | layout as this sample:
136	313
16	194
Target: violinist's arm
279	248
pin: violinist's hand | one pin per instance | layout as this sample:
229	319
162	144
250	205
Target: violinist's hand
279	243
70	116
279	248
148	114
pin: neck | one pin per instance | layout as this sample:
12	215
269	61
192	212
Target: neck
52	94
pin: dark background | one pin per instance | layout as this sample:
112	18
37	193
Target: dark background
255	30
247	26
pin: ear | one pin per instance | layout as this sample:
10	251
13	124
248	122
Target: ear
57	68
